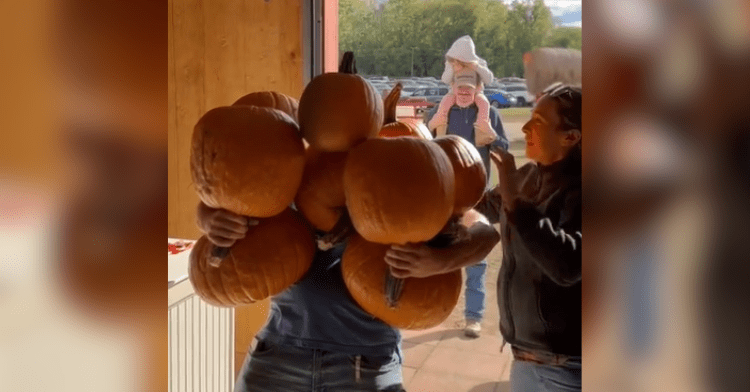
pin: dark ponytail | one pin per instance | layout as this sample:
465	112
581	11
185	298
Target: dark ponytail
568	99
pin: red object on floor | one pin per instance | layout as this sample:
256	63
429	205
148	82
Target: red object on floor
179	246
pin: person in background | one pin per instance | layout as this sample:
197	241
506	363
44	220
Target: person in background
539	209
317	337
465	112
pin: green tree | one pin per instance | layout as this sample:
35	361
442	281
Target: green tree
443	23
529	24
385	38
491	35
565	37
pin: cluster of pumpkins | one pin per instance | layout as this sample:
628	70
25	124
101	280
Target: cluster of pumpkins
343	160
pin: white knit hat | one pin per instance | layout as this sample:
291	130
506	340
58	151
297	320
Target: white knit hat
464	50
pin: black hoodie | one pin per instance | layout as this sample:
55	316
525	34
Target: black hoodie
539	285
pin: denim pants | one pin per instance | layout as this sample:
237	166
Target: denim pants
272	368
475	291
532	377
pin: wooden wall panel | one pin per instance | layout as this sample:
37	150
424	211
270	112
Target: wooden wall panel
274	48
189	68
219	51
173	166
225	28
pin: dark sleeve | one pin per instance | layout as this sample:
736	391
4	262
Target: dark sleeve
490	206
554	246
497	125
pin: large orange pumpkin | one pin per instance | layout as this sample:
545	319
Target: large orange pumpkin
340	110
394	128
274	254
247	159
271	99
321	195
398	190
469	170
424	302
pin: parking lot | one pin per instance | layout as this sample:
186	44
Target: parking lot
502	93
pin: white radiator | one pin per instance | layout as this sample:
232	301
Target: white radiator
201	339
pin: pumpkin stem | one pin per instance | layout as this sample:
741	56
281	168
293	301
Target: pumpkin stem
393	289
390	103
219	254
348	65
341	231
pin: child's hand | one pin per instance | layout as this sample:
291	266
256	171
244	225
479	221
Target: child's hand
458	65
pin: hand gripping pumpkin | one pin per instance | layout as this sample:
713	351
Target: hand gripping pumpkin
394	128
398	190
423	303
274	254
339	110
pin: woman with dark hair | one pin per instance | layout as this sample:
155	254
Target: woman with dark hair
539	209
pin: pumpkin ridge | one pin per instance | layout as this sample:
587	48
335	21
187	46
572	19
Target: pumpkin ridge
203	269
264	276
237	273
197	273
254	270
226	283
206	172
217	287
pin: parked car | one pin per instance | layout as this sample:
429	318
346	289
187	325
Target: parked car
406	82
407	91
512	80
521	93
379	85
430	94
375	78
500	98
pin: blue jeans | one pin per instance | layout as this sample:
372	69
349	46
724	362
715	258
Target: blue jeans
272	368
642	295
532	377
475	291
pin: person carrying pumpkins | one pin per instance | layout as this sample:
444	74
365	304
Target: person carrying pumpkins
315	327
467	113
539	209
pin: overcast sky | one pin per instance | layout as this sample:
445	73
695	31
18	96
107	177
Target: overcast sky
568	11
